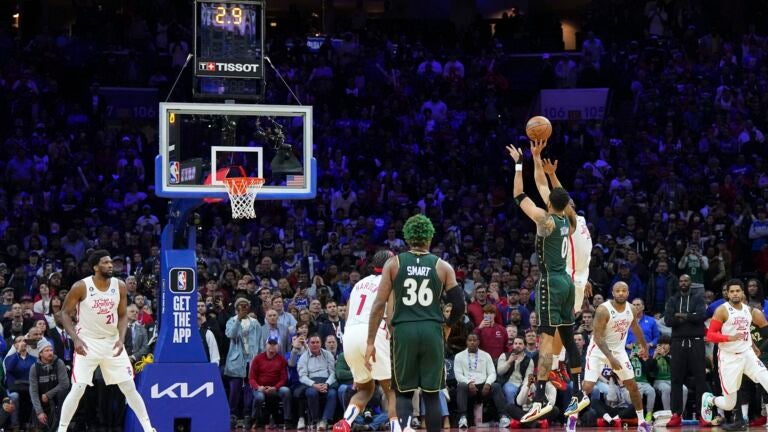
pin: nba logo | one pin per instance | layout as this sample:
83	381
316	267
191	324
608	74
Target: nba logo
181	283
175	173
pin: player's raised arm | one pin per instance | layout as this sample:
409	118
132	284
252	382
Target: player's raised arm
537	146
69	309
539	216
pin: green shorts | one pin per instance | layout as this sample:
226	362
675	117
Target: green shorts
555	296
418	356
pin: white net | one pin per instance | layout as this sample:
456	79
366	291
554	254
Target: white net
242	194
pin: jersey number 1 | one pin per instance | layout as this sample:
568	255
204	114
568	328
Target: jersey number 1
362	303
424	295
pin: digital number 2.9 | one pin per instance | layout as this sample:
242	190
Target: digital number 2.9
221	14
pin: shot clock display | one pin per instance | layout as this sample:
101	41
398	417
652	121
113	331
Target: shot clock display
229	39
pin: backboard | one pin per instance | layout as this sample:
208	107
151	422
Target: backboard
232	140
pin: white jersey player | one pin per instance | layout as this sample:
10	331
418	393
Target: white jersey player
100	302
577	259
613	321
730	329
355	343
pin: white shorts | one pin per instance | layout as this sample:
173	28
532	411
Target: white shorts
596	362
355	343
734	366
99	353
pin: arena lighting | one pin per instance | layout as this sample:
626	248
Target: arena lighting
16	19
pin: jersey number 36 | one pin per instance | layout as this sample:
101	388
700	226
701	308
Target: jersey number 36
417	293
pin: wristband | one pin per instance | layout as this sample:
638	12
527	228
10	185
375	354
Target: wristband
520	198
518	167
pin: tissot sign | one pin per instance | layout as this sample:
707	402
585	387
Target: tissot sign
229	69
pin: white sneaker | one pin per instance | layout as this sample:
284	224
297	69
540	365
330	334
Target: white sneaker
301	424
463	422
504	422
322	425
537	411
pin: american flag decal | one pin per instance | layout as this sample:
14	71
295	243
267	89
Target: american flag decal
295	181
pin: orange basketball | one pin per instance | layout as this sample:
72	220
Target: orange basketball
538	128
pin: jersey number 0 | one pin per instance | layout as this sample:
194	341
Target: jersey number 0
417	293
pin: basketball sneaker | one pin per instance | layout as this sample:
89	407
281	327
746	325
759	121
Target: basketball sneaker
738	425
570	424
644	426
675	421
577	404
707	402
537	411
342	426
557	380
563	369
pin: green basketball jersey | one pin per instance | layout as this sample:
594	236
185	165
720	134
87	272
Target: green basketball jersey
638	367
417	289
552	249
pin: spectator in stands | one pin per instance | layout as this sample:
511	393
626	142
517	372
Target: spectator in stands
640	363
661	285
283	318
333	323
344	379
17	366
136	340
48	386
317	373
648	324
63	346
525	400
475	309
272	329
587	320
686	313
209	340
493	336
268	377
243	333
475	375
512	368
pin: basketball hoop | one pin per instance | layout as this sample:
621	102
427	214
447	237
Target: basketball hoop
242	194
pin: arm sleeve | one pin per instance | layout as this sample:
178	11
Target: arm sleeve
455	296
233	327
458	367
699	315
522	394
331	368
714	332
501	366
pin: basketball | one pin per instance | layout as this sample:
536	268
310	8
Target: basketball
538	128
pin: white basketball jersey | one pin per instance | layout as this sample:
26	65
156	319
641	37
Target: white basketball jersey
739	321
97	312
617	327
361	300
579	251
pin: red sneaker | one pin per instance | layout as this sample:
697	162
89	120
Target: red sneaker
514	424
760	421
704	423
341	426
675	421
563	369
544	424
556	381
602	423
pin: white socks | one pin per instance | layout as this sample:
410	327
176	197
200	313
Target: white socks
136	403
351	413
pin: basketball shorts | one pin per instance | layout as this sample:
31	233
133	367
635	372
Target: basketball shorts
418	356
555	297
596	362
99	354
355	343
732	367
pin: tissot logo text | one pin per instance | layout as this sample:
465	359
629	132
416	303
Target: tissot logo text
229	67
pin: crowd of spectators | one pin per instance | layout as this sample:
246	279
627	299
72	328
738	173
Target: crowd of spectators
673	183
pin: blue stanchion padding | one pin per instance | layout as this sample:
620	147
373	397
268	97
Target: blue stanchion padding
182	391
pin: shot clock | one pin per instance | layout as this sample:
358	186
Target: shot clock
229	39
